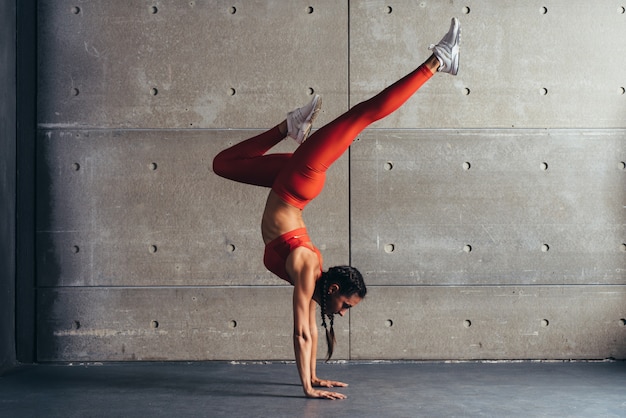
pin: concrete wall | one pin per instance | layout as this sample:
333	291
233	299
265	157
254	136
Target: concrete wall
487	214
7	183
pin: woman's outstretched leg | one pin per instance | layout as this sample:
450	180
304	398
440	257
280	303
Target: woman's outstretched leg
304	174
246	162
328	143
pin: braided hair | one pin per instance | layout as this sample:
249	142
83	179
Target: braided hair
350	282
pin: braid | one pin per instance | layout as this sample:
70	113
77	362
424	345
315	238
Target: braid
330	336
330	333
324	303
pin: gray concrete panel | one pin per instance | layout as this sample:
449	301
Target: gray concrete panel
489	206
528	64
115	324
508	322
198	64
143	253
142	208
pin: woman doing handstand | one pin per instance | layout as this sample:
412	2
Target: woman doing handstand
295	179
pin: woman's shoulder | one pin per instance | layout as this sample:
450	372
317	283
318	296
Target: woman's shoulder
303	266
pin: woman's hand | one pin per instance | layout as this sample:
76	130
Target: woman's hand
323	394
321	383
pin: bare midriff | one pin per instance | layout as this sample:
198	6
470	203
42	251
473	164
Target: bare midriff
279	218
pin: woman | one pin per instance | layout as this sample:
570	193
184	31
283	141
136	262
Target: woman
295	179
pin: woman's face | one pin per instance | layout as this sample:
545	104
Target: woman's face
336	303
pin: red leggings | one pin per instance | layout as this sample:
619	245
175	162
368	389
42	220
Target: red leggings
299	177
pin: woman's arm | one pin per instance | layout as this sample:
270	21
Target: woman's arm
302	338
313	328
316	381
301	266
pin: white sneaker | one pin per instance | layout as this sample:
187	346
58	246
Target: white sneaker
447	50
299	121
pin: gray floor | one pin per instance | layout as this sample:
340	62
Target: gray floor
525	389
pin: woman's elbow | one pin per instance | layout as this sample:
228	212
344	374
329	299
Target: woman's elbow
301	337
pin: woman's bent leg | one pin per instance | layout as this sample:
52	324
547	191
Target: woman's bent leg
246	161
